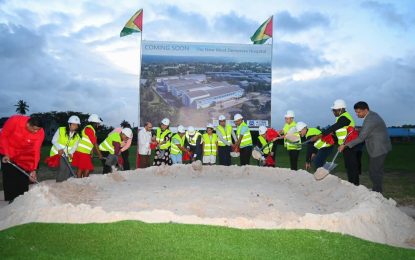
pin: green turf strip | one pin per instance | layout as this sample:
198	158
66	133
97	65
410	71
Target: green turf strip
137	240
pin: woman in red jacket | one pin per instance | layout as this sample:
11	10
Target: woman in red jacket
20	142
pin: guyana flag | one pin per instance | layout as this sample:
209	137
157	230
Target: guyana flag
263	33
134	25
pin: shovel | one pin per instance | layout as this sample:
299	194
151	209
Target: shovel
22	171
65	158
322	172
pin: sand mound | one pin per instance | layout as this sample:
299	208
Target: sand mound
242	197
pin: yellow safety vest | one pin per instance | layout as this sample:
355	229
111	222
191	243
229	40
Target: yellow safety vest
290	145
264	142
174	149
85	145
246	138
226	134
210	144
107	144
342	132
160	138
192	140
65	141
319	143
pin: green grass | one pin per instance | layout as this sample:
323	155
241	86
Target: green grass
137	240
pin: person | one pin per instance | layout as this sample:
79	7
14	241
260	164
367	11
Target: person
65	142
345	132
194	143
163	138
177	145
268	148
318	151
293	148
144	141
20	141
125	146
82	158
225	133
375	135
244	142
111	148
210	145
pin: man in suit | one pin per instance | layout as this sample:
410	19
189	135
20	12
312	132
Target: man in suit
374	134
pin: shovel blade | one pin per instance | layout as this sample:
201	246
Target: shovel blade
329	166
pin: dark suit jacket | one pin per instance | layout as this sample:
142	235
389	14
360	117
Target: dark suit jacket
374	133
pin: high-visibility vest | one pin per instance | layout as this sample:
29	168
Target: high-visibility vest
264	142
160	138
342	132
290	145
246	138
319	143
209	144
173	148
226	134
192	140
107	144
85	145
65	141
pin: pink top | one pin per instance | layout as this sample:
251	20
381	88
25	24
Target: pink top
124	144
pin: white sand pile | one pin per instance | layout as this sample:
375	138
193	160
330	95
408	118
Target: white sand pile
243	197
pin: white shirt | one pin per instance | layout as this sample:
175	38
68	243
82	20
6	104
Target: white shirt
144	140
64	147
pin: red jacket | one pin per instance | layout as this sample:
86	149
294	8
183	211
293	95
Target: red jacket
22	146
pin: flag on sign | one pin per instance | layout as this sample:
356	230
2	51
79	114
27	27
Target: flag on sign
263	33
134	25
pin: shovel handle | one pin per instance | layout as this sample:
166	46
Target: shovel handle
22	171
65	158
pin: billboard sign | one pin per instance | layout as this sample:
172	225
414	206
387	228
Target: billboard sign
194	83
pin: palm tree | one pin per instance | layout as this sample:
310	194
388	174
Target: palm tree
125	124
22	107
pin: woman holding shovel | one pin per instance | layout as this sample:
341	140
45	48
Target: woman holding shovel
163	139
65	142
293	148
20	142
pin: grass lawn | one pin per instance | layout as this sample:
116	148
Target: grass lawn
137	240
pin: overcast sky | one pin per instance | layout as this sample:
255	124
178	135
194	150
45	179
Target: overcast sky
67	55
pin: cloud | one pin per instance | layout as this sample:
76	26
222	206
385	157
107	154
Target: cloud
288	55
284	21
62	74
387	87
388	14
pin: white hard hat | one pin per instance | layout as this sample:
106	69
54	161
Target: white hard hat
165	121
237	117
191	130
289	113
74	120
262	130
181	129
94	118
128	132
338	104
300	126
210	125
222	117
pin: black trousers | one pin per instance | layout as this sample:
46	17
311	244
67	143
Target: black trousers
15	183
293	154
376	172
224	154
105	168
352	165
124	155
245	154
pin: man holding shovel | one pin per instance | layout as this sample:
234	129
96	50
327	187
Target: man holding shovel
345	132
318	151
374	133
20	142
